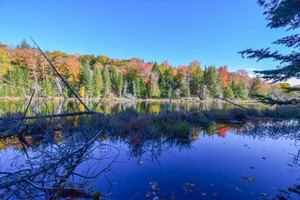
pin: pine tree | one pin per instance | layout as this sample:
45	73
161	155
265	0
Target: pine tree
98	82
196	81
235	88
106	81
280	14
113	78
242	91
255	86
47	89
212	80
120	84
140	87
228	93
87	79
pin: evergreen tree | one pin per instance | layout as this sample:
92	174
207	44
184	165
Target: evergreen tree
235	88
47	89
113	78
255	86
242	91
280	14
98	82
106	81
120	84
87	80
196	81
212	80
228	93
23	44
140	87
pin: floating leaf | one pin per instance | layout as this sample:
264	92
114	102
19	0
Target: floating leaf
264	158
264	194
245	186
229	186
149	194
284	191
189	184
248	178
153	185
252	167
238	189
215	194
185	189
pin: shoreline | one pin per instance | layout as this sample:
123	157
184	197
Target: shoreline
192	99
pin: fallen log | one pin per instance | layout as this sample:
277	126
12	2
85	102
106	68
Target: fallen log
231	102
58	115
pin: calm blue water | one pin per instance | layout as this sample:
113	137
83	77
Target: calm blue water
215	164
249	162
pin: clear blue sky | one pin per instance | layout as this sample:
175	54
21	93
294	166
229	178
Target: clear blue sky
211	31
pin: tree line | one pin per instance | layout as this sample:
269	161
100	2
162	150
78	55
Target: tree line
23	69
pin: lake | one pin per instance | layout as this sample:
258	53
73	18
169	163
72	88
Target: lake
112	107
250	161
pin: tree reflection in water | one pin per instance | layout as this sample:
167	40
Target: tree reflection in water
52	170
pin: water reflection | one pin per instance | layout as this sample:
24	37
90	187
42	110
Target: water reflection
112	107
222	161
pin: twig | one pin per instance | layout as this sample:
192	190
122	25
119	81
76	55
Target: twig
26	109
97	104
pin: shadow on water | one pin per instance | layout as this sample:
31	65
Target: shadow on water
254	160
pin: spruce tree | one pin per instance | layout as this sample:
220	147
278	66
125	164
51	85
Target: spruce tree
87	80
113	74
120	84
98	82
106	81
255	86
212	80
228	93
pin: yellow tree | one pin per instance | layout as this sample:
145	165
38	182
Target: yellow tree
5	66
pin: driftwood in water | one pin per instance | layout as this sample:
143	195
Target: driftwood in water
231	102
60	115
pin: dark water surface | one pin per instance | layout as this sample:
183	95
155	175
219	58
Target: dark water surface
226	162
218	165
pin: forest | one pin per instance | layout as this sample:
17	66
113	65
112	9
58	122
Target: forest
24	69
